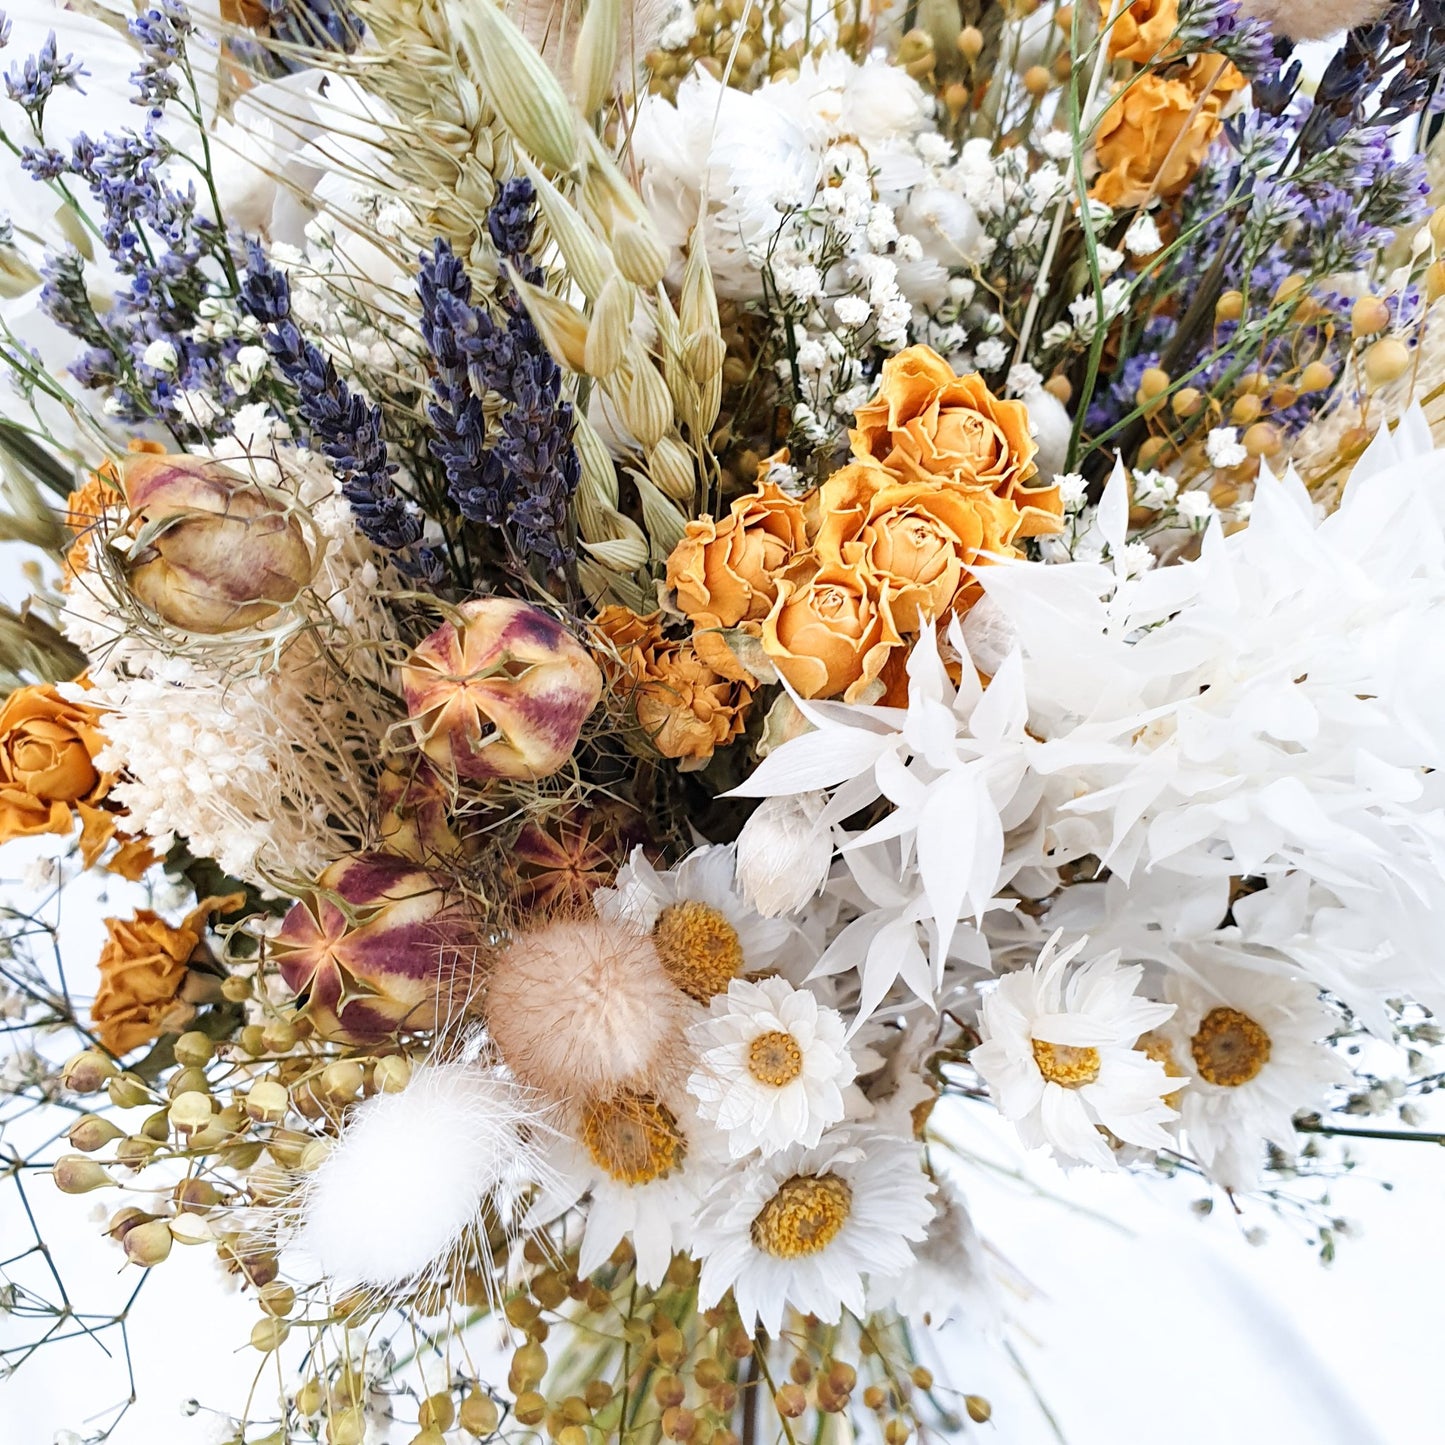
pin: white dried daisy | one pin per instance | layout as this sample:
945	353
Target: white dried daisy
808	1228
772	1066
644	1170
1249	1044
1060	1061
704	932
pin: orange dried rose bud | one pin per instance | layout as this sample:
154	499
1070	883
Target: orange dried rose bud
831	634
1153	136
503	693
48	748
213	552
726	572
928	425
148	985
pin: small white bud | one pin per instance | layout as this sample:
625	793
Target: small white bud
784	854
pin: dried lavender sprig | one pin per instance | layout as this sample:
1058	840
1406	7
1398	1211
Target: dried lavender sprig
1222	26
346	428
524	481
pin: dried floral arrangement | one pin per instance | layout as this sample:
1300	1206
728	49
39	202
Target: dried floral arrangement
656	596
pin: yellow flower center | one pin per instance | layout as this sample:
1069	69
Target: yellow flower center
1229	1048
803	1217
775	1058
1064	1064
634	1137
699	948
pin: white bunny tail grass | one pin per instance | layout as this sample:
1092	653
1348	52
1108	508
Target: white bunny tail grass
419	1181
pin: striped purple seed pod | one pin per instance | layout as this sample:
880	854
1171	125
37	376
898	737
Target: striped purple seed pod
212	552
502	693
376	949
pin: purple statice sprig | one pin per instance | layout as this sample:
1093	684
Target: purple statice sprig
520	479
32	84
343	426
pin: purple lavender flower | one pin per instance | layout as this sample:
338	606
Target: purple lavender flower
344	427
1221	26
524	480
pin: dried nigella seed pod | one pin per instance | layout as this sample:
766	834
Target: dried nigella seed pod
502	693
376	949
212	552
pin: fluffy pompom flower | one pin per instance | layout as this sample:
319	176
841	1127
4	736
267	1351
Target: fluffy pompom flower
375	949
413	1171
1314	19
805	1228
1249	1044
1059	1056
784	853
581	1007
772	1066
502	693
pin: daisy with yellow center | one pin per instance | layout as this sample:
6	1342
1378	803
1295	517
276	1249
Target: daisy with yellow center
703	931
1252	1046
810	1229
772	1065
1063	1057
642	1165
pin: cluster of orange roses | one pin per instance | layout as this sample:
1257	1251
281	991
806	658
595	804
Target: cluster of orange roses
832	586
1153	136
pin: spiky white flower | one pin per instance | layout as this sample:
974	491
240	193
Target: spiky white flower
807	1229
1059	1056
772	1066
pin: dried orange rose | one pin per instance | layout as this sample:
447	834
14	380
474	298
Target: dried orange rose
918	540
726	572
686	707
1154	135
926	424
1144	31
148	985
831	633
48	748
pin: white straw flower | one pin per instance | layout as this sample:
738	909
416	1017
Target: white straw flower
805	1228
1060	1060
783	853
704	932
772	1066
1250	1045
